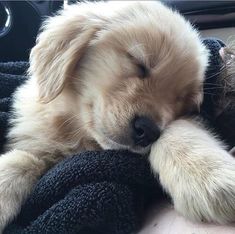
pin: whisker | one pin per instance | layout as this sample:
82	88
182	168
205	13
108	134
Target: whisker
216	74
213	88
212	94
209	83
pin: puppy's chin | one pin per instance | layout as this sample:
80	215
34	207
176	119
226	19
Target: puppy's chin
107	143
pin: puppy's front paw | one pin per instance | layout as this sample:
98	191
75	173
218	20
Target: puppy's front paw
209	197
18	173
197	172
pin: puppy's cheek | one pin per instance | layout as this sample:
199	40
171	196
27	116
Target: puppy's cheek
192	104
198	100
166	119
190	108
98	111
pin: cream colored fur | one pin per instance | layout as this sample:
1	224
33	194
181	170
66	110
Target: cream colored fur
19	171
197	171
86	86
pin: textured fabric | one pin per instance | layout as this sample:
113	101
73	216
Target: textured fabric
94	192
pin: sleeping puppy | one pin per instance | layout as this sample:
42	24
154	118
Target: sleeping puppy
107	75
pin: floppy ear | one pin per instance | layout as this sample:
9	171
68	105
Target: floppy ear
59	47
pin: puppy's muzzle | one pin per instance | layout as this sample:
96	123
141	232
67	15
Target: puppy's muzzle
144	131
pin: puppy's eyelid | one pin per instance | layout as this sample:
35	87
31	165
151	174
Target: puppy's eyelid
143	71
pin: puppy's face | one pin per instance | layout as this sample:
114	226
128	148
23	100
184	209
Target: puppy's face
142	68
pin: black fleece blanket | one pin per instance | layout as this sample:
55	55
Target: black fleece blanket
103	192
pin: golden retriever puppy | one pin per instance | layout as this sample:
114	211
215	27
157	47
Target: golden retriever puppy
106	75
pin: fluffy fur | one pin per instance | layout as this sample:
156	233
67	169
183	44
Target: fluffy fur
87	83
197	171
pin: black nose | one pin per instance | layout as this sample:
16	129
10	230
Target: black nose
144	131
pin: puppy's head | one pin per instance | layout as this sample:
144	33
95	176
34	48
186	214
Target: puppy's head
132	67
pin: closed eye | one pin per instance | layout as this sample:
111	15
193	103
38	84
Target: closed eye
143	70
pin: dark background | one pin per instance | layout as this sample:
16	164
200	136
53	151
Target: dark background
18	38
